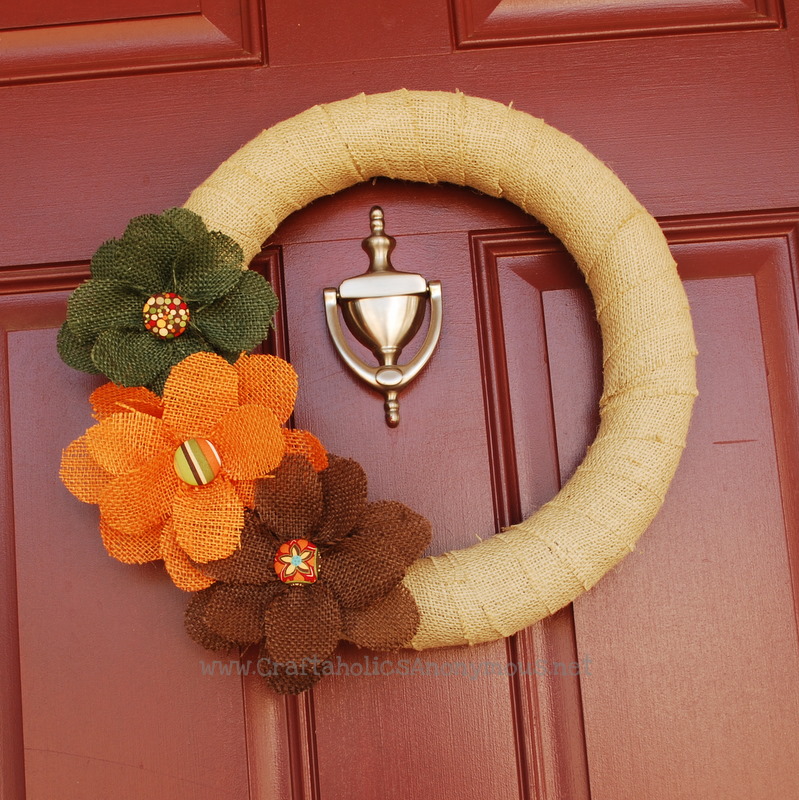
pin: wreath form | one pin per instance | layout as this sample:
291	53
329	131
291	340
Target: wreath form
648	344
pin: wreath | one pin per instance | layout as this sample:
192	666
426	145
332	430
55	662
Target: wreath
190	461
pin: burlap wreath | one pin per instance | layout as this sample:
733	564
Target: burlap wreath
648	343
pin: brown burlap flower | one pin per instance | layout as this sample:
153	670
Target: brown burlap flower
317	564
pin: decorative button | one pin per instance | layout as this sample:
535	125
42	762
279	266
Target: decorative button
297	561
197	462
166	315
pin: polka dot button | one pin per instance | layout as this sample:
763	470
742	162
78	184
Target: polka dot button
166	315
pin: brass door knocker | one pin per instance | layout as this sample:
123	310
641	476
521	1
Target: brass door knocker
384	309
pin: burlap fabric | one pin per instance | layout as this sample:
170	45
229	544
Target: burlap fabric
357	595
648	343
229	311
126	462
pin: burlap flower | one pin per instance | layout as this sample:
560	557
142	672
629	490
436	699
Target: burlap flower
173	476
364	551
166	289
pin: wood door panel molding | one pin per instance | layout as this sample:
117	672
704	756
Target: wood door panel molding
265	713
176	132
43	278
488	23
411	465
547	709
46	14
305	32
125	39
100	681
12	754
552	325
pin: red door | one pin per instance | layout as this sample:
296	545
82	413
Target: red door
686	655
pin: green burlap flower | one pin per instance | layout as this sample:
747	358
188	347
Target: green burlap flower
230	309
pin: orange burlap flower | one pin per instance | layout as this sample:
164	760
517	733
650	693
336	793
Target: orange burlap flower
126	463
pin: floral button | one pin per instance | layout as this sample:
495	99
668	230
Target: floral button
166	315
297	561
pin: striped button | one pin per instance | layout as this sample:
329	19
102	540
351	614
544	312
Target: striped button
197	462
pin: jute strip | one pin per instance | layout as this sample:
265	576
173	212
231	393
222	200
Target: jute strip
649	376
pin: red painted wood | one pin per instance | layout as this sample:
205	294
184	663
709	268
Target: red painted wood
122	37
46	14
549	706
350	420
712	149
299	31
692	642
697	609
489	23
12	759
113	703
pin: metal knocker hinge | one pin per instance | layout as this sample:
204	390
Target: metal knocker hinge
384	309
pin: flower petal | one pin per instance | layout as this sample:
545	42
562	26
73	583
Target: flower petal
250	442
75	352
302	623
188	224
268	381
344	490
181	569
240	319
139	500
236	612
208	520
246	490
143	256
407	532
367	564
111	399
361	569
157	383
388	624
127	440
291	678
135	358
253	562
199	391
196	625
207	268
104	259
81	474
290	503
102	303
306	444
131	549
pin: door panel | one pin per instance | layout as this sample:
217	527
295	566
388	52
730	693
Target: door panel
699	639
113	703
49	41
675	677
474	759
488	23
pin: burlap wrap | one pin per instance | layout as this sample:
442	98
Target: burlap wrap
648	343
